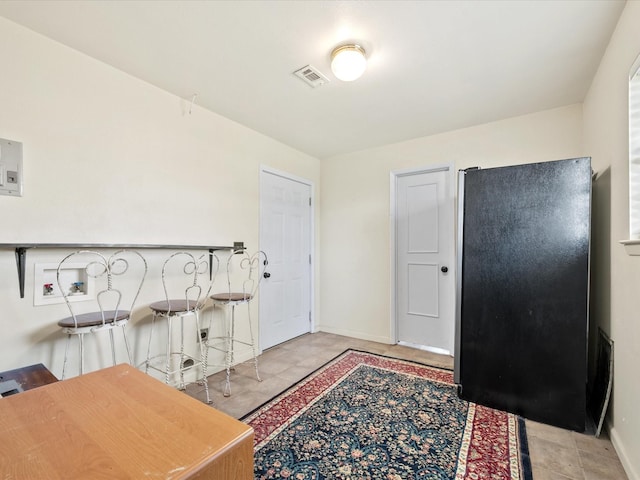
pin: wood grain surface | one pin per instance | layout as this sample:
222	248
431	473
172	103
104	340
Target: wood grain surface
119	423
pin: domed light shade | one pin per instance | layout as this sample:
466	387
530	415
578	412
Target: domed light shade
348	62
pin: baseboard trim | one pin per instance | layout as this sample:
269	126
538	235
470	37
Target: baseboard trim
622	453
354	334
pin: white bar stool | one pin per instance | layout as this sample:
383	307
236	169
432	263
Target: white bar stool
244	272
185	275
109	309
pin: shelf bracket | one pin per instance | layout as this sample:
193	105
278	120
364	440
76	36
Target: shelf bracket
211	250
21	258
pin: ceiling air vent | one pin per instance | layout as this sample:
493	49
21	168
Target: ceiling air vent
311	76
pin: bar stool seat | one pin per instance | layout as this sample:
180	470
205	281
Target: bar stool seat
172	306
95	319
232	297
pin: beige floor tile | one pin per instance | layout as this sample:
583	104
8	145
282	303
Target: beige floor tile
296	373
556	454
601	467
589	443
557	435
541	473
555	457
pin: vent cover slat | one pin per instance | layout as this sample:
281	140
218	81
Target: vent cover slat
311	76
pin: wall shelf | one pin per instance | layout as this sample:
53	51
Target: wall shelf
21	251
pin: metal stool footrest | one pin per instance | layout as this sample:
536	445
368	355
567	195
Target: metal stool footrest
184	363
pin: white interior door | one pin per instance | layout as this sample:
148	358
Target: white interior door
424	249
285	236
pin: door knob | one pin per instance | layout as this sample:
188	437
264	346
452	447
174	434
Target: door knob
444	269
266	274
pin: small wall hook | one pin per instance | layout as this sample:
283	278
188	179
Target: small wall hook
193	100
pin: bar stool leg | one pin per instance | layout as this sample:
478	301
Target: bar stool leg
203	359
126	344
168	363
233	335
181	362
205	346
253	344
113	346
153	323
229	354
66	355
81	339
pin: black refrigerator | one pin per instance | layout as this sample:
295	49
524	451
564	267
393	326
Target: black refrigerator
523	289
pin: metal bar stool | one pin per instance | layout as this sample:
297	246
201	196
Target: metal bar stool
123	267
244	272
181	272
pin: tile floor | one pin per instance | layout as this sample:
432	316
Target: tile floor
556	454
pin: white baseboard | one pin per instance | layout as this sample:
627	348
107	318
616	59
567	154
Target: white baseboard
622	453
353	334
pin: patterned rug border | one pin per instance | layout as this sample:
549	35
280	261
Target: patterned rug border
326	364
442	375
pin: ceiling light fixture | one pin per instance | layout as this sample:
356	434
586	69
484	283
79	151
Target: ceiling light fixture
348	62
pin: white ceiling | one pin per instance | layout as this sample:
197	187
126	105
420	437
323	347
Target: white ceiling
434	66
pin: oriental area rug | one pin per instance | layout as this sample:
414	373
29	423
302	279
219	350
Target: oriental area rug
366	416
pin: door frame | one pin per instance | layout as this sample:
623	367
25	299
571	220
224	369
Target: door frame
266	170
393	177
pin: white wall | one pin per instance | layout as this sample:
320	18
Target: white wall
111	159
615	303
355	239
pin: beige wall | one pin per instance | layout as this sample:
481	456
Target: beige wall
108	158
355	239
615	298
111	159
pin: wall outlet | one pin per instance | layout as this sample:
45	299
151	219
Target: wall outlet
204	334
188	363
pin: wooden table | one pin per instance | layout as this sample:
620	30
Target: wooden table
119	423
